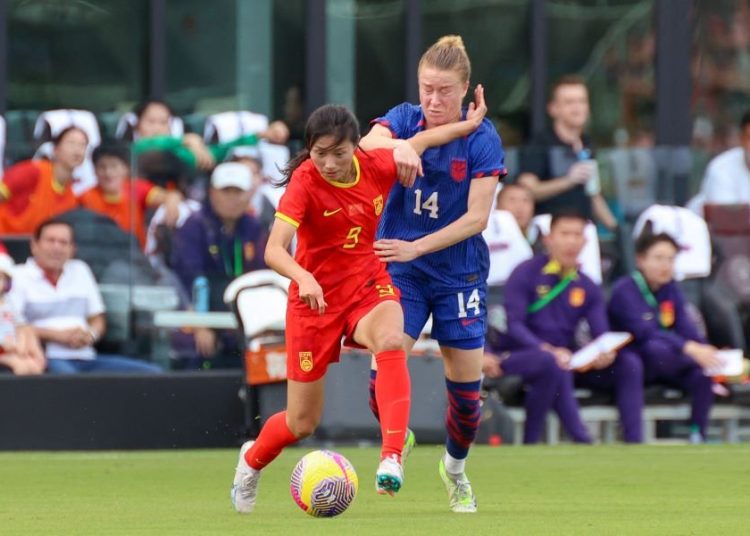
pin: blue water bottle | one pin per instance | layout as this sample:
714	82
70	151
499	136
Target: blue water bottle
200	294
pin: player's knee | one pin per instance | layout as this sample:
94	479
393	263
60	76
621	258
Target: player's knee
303	426
389	341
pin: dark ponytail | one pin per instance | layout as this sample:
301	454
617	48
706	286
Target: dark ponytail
328	120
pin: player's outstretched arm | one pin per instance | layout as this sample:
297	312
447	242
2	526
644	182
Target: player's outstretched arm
407	153
471	223
437	136
380	137
277	257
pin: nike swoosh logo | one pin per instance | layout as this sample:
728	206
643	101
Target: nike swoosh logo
327	213
466	323
393	431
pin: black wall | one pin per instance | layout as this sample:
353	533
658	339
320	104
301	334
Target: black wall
176	410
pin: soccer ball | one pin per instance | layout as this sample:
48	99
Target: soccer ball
324	483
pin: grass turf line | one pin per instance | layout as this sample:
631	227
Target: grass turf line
538	490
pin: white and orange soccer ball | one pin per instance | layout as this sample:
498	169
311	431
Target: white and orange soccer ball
324	483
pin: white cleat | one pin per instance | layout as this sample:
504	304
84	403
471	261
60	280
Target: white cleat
461	498
245	486
390	476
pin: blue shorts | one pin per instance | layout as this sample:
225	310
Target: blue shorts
459	313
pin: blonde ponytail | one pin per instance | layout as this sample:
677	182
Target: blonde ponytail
448	54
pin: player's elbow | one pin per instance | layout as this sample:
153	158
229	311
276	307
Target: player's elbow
478	221
366	143
271	256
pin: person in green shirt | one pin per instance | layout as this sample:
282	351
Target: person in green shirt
152	134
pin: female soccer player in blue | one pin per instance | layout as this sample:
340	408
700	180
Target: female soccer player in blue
431	237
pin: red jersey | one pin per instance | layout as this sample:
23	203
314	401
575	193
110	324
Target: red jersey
119	208
32	195
336	225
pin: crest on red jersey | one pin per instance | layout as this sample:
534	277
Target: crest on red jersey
306	361
378	202
458	169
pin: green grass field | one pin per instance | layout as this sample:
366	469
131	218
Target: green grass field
539	490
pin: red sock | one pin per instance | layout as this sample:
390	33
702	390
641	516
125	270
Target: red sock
393	393
274	436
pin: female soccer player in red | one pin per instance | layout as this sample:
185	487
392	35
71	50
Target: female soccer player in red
333	202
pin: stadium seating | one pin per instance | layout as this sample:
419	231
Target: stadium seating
126	126
19	144
258	300
228	126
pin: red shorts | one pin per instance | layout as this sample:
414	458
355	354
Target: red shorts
313	341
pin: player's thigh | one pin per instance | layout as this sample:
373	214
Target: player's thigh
459	323
305	402
462	365
382	328
414	302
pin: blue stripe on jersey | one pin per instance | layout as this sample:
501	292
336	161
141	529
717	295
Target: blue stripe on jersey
441	197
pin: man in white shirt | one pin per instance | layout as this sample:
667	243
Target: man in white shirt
727	178
59	297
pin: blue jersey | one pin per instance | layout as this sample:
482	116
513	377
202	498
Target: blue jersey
440	197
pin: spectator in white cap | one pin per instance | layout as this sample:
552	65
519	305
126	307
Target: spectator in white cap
264	195
215	245
20	352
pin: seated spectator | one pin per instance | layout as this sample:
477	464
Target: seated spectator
650	305
59	297
35	190
727	178
558	166
123	199
545	299
506	232
519	201
20	352
262	205
215	245
152	136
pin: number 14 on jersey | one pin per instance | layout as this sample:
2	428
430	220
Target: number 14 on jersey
472	302
430	205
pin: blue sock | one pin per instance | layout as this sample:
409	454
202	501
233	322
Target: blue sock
462	417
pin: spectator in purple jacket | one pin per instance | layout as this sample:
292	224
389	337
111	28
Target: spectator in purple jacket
650	305
215	245
545	299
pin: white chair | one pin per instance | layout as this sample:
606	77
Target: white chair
50	123
689	230
507	244
227	126
275	158
589	258
126	126
259	300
